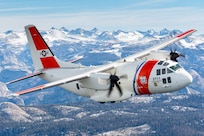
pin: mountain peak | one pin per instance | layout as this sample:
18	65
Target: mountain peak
64	29
53	28
151	31
94	30
164	31
9	32
15	112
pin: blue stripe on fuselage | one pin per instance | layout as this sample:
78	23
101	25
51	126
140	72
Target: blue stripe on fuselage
134	81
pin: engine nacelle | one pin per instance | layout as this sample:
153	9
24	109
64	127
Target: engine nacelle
97	81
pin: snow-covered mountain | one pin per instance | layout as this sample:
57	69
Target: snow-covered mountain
141	115
97	47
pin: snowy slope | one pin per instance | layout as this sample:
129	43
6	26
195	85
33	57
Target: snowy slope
103	46
180	115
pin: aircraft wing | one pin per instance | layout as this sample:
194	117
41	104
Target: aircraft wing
106	67
66	80
157	47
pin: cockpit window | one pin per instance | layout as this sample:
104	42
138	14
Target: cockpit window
169	71
160	63
175	67
166	64
163	62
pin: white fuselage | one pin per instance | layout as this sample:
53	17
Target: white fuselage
136	78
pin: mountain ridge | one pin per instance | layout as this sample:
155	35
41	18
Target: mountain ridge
169	115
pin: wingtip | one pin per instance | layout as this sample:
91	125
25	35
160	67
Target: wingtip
186	33
193	30
13	95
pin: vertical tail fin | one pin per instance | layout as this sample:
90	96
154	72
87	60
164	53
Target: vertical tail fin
40	52
42	56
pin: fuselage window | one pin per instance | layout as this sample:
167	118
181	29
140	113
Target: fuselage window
158	72
169	79
164	80
163	71
160	63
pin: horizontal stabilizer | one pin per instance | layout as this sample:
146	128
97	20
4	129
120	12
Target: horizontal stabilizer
75	60
25	77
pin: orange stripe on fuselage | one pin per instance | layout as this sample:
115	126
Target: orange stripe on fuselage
143	77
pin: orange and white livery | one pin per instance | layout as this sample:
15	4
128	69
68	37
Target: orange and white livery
151	71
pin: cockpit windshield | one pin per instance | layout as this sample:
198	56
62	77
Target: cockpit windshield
171	66
175	67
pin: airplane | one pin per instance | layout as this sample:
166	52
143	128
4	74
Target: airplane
151	71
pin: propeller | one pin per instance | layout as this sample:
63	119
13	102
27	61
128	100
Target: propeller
174	55
114	82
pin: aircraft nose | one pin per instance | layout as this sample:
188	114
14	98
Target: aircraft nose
188	78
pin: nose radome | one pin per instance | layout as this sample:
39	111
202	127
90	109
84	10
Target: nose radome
189	78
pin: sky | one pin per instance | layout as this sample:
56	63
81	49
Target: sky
127	15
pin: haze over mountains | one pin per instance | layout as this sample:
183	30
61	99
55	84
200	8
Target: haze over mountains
138	115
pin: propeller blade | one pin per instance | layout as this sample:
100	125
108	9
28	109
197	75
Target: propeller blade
114	81
110	88
119	89
123	76
182	55
174	54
